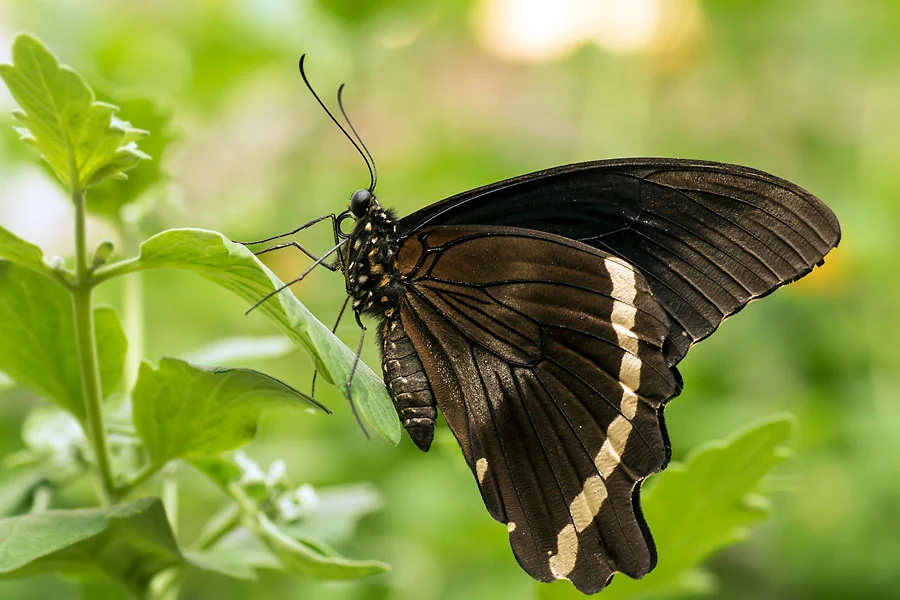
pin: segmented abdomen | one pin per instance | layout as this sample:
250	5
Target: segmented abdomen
407	384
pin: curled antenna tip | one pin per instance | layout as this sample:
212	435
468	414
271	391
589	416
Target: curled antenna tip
360	147
370	161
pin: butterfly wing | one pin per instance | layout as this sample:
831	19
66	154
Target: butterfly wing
708	237
545	357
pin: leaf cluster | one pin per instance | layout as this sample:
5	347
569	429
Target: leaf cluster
54	342
187	412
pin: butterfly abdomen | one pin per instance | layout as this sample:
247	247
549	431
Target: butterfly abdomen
407	383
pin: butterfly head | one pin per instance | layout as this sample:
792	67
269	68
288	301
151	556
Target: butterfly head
360	202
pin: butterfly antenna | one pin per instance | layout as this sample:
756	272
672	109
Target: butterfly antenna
331	116
373	170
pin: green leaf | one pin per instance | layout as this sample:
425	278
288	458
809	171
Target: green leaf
311	558
185	411
80	138
108	198
253	551
221	471
236	350
699	507
212	256
230	562
17	250
128	544
37	339
334	517
17	486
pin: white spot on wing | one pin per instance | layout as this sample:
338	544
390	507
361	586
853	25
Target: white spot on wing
481	467
583	509
562	563
611	451
511	526
623	317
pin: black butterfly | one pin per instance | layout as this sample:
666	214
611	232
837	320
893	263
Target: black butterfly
545	316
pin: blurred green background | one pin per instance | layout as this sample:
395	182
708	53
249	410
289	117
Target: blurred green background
452	94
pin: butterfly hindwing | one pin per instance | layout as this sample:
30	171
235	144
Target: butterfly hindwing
709	237
545	356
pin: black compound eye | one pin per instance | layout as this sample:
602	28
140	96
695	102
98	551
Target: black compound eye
359	202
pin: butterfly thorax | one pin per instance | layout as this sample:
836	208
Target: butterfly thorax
372	275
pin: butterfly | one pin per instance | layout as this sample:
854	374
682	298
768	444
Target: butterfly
544	316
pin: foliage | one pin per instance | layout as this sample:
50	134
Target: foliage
217	408
55	343
806	90
81	139
37	312
233	266
128	543
694	510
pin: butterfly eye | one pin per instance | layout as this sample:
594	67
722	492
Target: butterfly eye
359	202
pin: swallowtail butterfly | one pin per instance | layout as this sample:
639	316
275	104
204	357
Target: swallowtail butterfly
545	317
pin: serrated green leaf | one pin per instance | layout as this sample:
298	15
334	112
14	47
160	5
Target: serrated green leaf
697	508
80	138
234	267
186	411
128	544
312	558
108	198
37	339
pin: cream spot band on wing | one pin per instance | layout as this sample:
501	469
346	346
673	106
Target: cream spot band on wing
587	504
481	467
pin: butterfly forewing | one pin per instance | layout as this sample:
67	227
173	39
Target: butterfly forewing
545	357
708	237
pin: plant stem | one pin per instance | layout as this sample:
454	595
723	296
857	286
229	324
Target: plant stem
82	304
116	269
143	475
225	522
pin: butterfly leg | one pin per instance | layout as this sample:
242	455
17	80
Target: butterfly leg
362	337
337	322
332	266
318	262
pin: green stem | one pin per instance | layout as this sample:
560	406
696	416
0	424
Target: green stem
130	265
82	304
247	506
225	522
142	477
